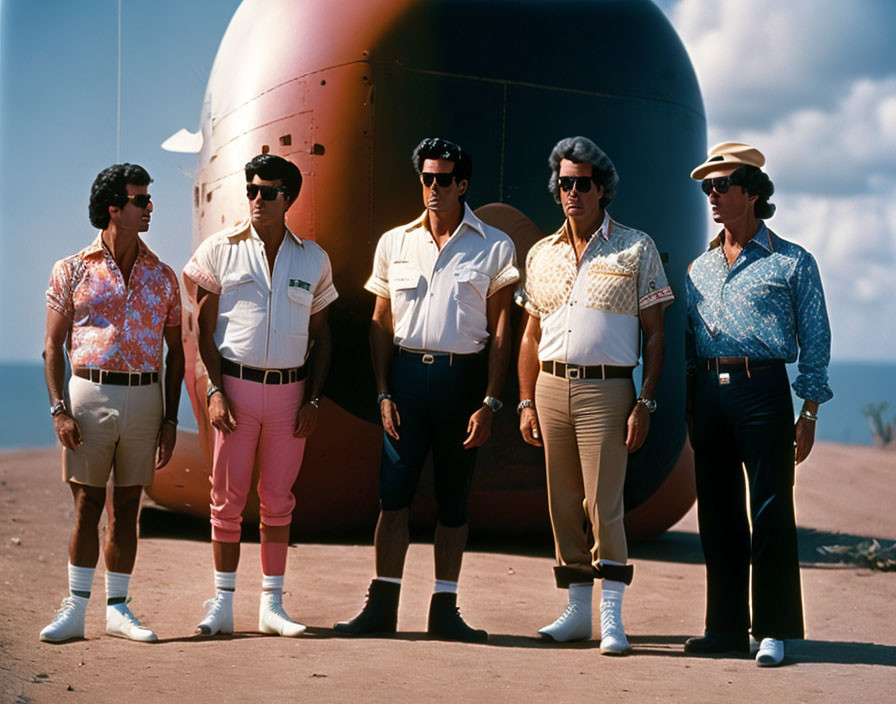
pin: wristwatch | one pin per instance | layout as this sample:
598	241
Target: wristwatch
493	403
314	401
58	407
382	397
525	403
649	403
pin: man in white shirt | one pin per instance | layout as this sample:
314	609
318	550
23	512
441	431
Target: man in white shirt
591	289
263	296
443	288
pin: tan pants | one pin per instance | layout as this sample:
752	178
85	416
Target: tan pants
583	426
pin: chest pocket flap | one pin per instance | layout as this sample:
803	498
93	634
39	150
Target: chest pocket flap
403	276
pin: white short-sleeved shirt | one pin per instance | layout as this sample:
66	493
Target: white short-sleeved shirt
439	297
589	313
263	318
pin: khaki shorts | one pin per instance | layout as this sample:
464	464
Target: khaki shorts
120	431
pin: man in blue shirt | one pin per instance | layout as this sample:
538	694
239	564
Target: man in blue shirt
755	302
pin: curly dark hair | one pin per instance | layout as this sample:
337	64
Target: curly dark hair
757	183
110	188
270	167
438	148
581	150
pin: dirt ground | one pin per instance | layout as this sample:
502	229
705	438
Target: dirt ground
843	494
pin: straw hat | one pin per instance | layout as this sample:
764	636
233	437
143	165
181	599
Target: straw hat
728	154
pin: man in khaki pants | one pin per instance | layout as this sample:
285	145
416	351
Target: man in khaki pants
591	288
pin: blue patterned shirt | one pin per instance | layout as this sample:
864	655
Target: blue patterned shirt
768	305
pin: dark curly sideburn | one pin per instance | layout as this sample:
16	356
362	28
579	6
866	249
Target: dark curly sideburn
110	188
757	183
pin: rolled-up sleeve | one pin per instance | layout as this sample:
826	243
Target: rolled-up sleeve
203	266
508	273
813	332
378	283
59	290
653	286
325	292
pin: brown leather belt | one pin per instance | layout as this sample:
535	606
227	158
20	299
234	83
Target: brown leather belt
433	357
578	371
263	376
739	364
102	376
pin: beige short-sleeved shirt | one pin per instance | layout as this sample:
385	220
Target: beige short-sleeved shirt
439	297
589	313
263	318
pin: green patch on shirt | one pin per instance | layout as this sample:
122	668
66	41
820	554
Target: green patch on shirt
298	283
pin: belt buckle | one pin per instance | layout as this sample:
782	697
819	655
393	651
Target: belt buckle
572	372
131	378
272	371
724	378
428	358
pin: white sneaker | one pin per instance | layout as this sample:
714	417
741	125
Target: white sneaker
272	619
69	621
612	634
573	624
120	622
771	652
218	616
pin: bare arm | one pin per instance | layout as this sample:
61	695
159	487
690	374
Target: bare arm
527	368
174	377
318	368
382	347
218	407
497	313
654	349
58	329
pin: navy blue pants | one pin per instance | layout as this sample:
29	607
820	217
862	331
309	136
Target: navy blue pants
747	423
435	402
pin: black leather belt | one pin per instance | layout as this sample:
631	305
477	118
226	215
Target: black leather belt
578	371
433	357
101	376
263	376
739	364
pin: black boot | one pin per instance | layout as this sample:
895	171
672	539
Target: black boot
380	613
445	621
718	642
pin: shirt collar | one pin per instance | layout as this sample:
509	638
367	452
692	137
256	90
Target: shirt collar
98	247
763	238
604	231
252	232
469	219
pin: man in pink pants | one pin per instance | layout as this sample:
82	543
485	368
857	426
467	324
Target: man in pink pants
264	340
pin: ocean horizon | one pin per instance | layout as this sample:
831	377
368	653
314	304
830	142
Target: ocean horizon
25	421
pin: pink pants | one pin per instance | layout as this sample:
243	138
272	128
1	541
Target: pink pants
265	421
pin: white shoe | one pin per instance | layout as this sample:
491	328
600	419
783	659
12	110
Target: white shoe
218	616
69	621
612	634
573	624
120	622
272	619
771	652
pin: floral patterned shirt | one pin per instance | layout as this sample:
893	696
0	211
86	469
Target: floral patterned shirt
768	305
115	327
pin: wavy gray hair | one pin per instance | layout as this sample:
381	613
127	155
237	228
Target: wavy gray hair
582	150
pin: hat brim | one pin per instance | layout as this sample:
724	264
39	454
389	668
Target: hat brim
707	167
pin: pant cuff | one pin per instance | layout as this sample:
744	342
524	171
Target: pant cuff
566	575
617	573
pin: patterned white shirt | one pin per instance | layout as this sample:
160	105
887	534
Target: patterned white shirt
263	318
438	297
589	312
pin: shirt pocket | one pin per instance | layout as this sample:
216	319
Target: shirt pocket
404	290
300	301
470	293
240	293
612	288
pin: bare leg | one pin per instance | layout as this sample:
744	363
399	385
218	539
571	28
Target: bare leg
227	556
448	550
121	538
391	542
84	544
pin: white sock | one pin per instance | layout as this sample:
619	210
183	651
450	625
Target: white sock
225	584
272	583
446	586
613	590
80	581
393	580
580	592
117	586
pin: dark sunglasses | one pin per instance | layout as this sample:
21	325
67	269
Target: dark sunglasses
443	179
141	200
721	184
581	183
267	192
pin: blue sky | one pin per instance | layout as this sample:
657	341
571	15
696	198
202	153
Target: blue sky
812	83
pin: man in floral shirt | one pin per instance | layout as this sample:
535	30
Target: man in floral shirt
112	305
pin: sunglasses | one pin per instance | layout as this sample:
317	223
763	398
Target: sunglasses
141	200
720	184
443	179
581	183
267	192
